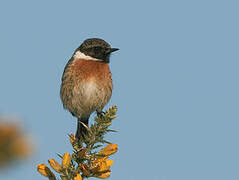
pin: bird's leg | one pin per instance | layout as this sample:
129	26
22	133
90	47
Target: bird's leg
100	113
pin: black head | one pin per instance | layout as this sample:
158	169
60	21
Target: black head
97	48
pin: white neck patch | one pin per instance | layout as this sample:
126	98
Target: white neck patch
80	55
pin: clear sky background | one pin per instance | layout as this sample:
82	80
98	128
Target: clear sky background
175	82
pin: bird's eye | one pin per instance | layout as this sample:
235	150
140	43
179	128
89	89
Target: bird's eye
97	50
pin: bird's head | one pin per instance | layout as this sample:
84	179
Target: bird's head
95	49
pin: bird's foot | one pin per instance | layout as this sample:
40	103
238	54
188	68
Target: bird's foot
100	113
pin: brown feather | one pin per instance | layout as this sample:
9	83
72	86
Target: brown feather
86	86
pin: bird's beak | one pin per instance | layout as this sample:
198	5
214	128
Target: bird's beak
113	50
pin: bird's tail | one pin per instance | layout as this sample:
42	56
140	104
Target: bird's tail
82	125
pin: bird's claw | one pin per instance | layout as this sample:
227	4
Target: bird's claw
100	114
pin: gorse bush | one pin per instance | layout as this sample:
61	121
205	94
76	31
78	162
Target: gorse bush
89	158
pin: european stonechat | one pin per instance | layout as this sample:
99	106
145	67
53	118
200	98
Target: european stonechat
86	82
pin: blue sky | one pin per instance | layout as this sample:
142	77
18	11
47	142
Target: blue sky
175	82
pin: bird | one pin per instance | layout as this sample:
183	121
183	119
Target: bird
86	84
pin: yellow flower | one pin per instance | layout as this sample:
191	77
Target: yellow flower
101	165
20	147
55	165
109	162
78	177
109	150
103	175
9	130
14	143
105	165
44	170
66	160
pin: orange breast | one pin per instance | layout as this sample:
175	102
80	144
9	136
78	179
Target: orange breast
86	86
87	69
